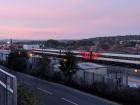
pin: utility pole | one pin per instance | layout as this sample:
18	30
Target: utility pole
42	46
137	44
137	48
11	45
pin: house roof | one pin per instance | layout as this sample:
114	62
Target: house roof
88	65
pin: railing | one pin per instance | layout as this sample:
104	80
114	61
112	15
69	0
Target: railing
8	88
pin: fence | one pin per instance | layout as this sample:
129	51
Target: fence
87	78
113	77
8	88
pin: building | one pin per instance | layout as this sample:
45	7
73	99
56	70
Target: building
55	64
32	46
117	76
90	73
4	55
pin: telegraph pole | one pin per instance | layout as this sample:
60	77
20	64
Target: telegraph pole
11	45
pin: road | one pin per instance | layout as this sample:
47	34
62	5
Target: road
55	94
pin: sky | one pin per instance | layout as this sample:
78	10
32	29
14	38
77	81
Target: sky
68	19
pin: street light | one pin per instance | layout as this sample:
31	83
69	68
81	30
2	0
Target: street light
65	60
30	55
8	42
135	70
19	52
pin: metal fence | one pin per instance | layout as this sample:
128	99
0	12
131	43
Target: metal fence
8	88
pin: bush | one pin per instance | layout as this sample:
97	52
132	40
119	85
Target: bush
18	60
26	97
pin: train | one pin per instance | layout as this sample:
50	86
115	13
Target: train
127	59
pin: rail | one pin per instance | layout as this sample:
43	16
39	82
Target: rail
8	88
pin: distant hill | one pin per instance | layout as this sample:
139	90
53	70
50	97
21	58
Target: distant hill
110	43
116	38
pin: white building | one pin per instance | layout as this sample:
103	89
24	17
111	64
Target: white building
117	76
54	63
4	55
93	68
29	47
87	72
90	73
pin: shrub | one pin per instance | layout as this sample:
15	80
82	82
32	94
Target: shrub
17	60
26	97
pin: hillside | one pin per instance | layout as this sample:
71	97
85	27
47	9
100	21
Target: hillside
126	43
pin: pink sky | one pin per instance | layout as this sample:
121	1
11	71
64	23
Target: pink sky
68	19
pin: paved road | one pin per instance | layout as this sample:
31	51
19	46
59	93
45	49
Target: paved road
55	94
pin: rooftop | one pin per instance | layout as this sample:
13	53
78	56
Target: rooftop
88	65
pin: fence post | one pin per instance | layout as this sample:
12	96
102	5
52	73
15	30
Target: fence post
8	82
15	91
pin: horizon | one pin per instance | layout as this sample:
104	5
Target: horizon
64	39
71	19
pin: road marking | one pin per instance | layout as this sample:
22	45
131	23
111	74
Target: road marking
69	101
45	91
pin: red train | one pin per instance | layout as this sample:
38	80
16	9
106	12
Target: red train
90	55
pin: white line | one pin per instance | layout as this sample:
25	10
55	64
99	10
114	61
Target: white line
69	101
50	93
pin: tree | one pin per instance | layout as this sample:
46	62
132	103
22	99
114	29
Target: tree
104	45
68	65
18	60
52	43
44	67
